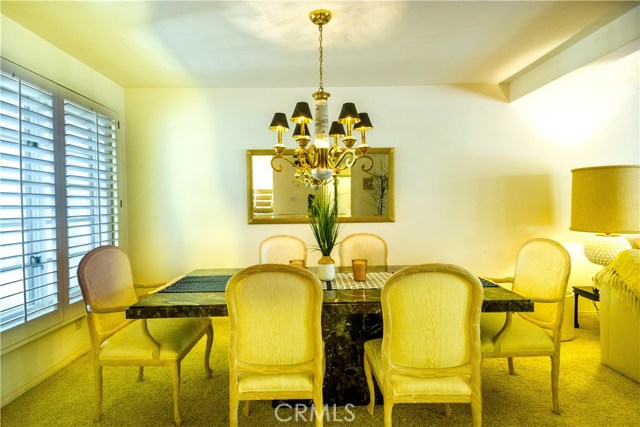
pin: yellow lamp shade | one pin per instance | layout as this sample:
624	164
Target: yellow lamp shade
606	199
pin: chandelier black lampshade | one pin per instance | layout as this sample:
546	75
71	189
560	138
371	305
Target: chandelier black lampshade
348	114
279	122
364	124
297	131
302	113
336	129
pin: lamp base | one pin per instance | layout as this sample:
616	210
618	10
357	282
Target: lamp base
603	248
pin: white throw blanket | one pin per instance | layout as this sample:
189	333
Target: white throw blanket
623	274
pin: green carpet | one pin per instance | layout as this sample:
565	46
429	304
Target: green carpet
590	395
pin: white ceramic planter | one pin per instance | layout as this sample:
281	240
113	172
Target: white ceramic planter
326	269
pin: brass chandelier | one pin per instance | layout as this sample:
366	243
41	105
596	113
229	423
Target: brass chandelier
317	162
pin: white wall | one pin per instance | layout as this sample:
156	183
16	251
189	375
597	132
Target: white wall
475	176
32	362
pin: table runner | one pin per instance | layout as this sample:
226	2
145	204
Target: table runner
345	281
198	284
375	280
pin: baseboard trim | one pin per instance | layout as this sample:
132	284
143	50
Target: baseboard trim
46	374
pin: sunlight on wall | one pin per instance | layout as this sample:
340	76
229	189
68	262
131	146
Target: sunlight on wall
564	113
176	178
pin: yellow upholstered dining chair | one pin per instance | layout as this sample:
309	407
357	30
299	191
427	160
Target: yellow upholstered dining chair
430	348
367	246
104	275
542	273
281	249
275	338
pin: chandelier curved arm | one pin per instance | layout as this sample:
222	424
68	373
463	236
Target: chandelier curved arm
279	168
364	166
308	181
347	156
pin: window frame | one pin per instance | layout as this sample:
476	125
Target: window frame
66	312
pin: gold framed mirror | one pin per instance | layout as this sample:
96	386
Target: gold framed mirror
363	196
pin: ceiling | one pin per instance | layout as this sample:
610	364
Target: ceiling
273	44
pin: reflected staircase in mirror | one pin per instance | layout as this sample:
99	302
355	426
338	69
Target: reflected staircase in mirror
263	202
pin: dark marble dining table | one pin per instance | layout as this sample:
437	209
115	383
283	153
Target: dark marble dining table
349	318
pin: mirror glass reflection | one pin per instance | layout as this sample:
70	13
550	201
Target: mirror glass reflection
363	196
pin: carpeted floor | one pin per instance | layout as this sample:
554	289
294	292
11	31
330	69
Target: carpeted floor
590	395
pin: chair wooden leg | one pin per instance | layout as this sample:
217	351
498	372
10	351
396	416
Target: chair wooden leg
318	406
476	410
512	370
140	373
97	379
245	408
372	395
207	351
233	407
447	410
476	395
175	368
555	377
388	409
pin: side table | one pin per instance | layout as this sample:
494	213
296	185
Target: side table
587	292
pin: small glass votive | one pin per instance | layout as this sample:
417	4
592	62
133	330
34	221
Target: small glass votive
359	269
298	263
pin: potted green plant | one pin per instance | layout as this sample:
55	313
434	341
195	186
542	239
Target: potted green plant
323	219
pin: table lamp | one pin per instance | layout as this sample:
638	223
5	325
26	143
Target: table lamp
606	200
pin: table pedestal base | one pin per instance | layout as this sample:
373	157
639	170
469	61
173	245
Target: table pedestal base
344	335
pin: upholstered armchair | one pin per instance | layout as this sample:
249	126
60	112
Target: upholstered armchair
367	246
437	361
275	340
542	273
282	248
104	275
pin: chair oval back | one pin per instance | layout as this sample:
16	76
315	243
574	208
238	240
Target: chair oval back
445	300
542	271
104	276
282	248
274	315
367	246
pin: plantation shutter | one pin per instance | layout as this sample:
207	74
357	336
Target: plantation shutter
92	185
28	261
